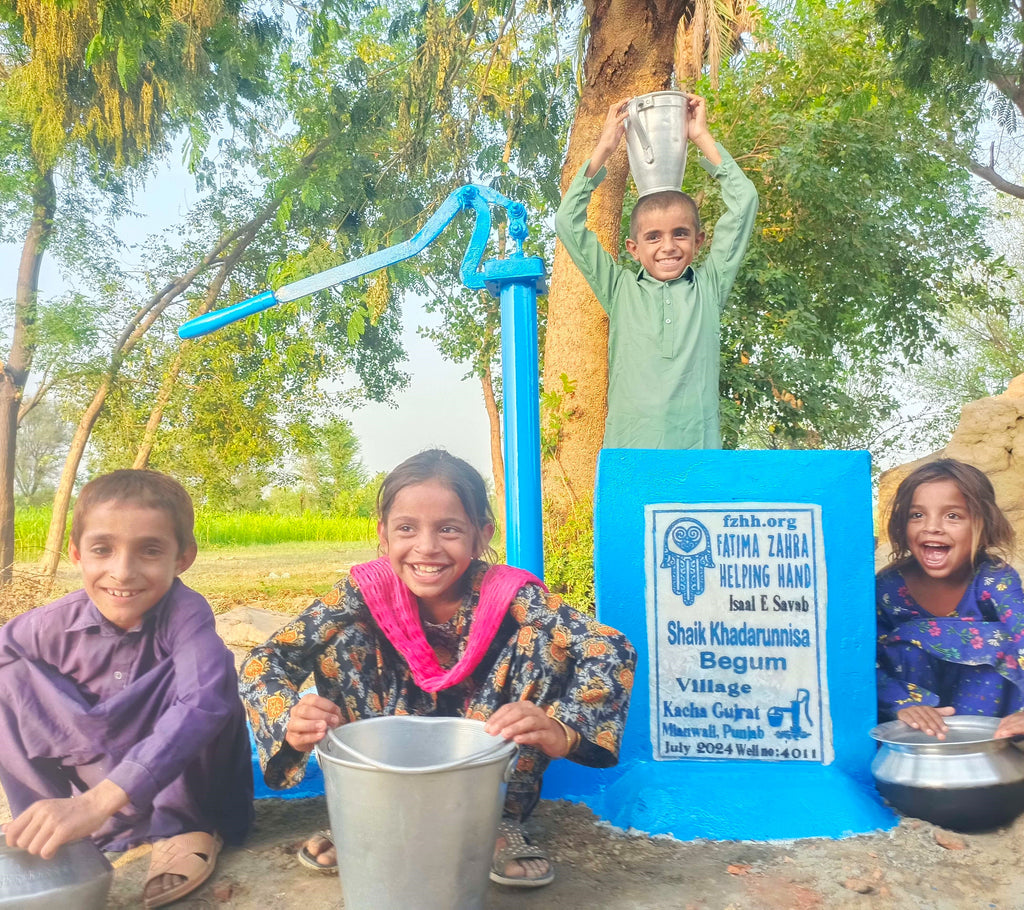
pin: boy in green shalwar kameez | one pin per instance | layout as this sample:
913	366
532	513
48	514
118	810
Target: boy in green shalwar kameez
663	323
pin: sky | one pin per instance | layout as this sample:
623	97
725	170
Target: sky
438	408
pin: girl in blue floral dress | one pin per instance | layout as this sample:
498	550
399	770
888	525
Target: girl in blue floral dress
950	611
431	629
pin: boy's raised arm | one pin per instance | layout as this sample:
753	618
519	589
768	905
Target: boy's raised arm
697	129
611	135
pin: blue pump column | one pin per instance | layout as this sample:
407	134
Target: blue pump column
516	282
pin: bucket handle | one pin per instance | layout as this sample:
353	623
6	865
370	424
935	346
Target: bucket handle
633	108
511	766
489	752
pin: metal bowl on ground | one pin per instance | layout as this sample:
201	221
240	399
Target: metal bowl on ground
77	878
968	782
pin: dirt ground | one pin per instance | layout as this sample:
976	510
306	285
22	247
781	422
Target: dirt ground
913	866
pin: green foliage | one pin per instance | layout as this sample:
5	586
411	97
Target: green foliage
489	100
982	344
30	526
216	528
555	415
952	42
569	554
862	239
328	473
43	439
113	77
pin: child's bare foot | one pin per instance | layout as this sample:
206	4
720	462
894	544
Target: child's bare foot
517	863
319	853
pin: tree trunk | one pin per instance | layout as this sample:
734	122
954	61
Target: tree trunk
629	52
50	559
14	373
130	336
156	414
494	422
171	376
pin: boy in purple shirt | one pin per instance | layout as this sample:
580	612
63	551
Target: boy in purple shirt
119	711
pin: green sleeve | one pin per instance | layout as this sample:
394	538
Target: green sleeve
732	231
593	260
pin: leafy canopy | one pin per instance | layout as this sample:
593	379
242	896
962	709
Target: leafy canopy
863	237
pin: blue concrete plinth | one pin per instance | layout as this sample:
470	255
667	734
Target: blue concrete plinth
311	785
817	697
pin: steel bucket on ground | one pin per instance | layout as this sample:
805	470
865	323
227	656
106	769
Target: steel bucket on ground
414	804
968	781
656	141
77	878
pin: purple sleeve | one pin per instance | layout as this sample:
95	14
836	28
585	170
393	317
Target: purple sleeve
20	636
1000	587
894	690
204	696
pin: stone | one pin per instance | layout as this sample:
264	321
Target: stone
246	627
948	840
859	885
990	436
223	890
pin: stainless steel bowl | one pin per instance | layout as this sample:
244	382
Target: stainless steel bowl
77	878
968	781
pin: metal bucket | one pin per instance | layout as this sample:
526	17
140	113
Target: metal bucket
967	781
414	804
656	141
77	878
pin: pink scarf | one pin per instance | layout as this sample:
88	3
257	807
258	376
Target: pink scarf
395	610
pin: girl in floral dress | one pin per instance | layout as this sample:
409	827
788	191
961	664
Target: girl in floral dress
950	611
431	629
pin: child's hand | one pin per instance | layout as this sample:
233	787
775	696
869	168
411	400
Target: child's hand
697	128
927	719
528	724
1011	725
611	135
697	117
309	721
47	824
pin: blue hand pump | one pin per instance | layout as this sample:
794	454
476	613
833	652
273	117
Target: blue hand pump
516	281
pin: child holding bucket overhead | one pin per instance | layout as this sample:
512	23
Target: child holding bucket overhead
432	629
950	611
663	324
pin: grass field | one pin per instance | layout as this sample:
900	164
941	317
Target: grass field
278	576
218	529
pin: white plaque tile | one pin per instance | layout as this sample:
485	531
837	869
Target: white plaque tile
736	607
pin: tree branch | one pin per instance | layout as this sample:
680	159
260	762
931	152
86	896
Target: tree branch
988	172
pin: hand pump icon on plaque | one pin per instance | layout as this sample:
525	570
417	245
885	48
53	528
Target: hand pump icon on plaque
777	715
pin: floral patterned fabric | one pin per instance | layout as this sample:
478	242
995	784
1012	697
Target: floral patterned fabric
970	659
579	670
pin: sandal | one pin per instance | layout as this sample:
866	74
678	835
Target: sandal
516	849
310	861
191	856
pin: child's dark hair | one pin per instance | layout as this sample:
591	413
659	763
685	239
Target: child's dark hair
992	533
147	489
658	202
457	475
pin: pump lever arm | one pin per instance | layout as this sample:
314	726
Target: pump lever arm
471	196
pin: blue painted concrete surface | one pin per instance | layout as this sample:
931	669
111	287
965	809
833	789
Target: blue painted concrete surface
730	799
311	785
